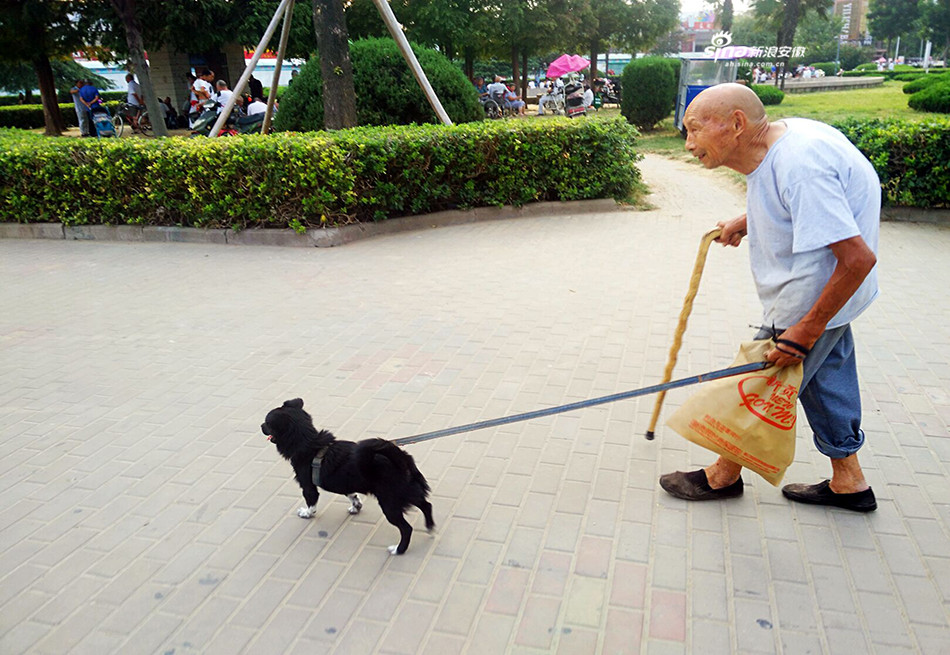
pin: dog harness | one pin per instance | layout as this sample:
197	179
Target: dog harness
316	464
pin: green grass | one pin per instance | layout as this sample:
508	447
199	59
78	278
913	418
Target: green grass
885	101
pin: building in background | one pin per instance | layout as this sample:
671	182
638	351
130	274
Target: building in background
696	30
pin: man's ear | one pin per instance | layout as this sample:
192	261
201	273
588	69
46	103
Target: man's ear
296	403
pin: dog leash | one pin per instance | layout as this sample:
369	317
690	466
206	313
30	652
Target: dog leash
504	420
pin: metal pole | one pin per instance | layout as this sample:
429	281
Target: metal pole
258	52
395	29
281	49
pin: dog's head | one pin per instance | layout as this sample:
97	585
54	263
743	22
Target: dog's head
285	427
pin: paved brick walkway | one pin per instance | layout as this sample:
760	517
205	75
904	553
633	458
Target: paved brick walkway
143	512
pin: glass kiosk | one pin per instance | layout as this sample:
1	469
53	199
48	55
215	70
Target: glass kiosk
697	75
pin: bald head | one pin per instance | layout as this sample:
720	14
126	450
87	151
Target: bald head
727	126
721	100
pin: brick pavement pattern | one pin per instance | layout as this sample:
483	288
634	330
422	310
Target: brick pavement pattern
143	512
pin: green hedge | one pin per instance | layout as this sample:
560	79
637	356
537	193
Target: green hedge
911	158
829	67
313	179
768	94
923	82
29	117
935	98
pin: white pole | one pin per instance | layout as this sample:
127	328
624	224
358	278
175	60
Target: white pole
281	49
897	50
927	56
396	30
226	111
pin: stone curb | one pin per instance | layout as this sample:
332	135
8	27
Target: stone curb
916	215
320	238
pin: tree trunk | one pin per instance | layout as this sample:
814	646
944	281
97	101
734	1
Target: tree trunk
515	73
524	75
339	94
52	117
786	34
133	39
593	59
469	65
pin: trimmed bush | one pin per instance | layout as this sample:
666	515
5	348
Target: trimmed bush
768	94
29	117
649	91
828	67
935	97
924	81
313	179
911	158
386	91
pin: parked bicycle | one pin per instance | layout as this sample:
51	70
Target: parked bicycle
123	116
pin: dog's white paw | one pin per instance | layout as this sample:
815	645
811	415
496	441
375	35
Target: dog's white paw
393	549
306	512
354	509
355	504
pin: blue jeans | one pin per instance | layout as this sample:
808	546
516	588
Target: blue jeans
829	393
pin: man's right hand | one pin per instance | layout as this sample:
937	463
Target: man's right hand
732	231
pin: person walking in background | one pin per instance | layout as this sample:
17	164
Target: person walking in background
135	101
82	112
812	219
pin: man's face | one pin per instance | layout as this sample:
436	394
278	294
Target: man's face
707	137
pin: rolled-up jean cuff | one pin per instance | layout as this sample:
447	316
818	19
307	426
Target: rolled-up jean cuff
844	448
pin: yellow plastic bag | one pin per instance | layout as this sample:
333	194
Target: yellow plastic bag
748	419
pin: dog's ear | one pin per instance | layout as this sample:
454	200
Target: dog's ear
296	403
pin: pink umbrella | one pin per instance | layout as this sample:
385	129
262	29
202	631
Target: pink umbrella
567	64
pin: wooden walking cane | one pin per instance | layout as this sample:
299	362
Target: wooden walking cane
708	238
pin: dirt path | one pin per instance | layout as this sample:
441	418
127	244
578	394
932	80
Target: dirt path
682	189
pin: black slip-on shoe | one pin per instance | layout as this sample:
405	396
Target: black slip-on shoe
695	486
821	494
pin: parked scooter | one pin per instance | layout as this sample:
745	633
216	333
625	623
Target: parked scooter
201	123
236	123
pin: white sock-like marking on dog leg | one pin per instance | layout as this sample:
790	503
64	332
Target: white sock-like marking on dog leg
393	549
355	504
306	512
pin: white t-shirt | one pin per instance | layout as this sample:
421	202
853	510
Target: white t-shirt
497	88
206	85
256	107
813	189
134	89
223	96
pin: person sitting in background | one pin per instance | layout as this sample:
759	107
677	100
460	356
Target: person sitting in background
588	96
224	94
171	116
258	106
514	100
481	88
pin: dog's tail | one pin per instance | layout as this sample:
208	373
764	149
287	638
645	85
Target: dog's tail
401	461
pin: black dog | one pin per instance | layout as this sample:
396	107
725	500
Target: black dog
373	466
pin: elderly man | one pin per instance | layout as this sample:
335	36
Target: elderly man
812	220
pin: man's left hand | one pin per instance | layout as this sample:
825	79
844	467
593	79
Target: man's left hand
784	355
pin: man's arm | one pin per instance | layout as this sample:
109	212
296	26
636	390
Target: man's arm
855	261
732	231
